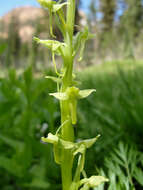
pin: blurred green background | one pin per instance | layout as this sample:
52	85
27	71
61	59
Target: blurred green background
113	64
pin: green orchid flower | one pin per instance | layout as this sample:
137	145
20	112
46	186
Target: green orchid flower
72	94
64	146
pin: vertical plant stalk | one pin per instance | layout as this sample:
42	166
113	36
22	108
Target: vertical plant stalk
65	147
67	129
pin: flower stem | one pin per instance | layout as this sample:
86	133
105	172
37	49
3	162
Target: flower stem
67	129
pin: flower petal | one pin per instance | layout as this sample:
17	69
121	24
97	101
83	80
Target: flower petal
60	95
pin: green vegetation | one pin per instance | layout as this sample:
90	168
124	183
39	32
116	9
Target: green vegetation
114	112
67	151
124	168
28	112
119	84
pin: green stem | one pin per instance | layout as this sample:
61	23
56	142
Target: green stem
71	17
67	129
67	134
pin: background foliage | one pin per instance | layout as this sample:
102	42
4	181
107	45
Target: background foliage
28	112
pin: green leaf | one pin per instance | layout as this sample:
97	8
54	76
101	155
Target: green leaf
85	93
112	179
59	95
138	174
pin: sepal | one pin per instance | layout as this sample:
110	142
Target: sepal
47	3
57	7
52	5
89	142
55	79
85	93
59	95
53	45
53	139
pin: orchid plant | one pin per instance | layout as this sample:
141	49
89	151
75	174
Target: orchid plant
64	145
